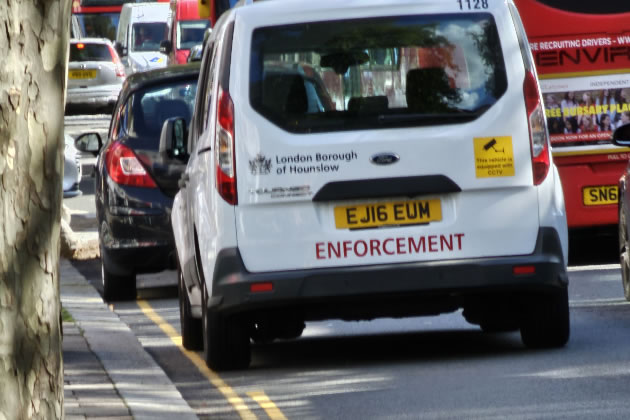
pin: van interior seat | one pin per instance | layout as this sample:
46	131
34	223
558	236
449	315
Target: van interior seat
284	93
170	108
428	89
151	114
370	104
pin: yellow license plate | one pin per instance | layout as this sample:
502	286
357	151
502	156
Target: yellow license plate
81	74
597	196
362	216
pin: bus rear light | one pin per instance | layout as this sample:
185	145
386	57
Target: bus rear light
224	149
538	136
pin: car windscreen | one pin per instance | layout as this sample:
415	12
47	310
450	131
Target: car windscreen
148	36
377	72
190	33
99	25
150	107
82	51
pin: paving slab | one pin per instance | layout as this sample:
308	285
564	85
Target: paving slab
107	372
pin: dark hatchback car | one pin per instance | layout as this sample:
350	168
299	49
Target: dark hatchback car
136	179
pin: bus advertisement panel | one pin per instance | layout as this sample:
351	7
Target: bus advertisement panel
582	55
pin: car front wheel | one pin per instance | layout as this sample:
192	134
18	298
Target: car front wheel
115	287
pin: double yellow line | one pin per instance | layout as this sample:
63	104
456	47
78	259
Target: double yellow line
230	395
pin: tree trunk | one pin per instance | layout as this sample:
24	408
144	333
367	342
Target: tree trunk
34	45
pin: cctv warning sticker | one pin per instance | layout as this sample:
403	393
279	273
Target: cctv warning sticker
494	157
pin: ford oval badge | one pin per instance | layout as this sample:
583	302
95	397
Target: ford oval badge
384	158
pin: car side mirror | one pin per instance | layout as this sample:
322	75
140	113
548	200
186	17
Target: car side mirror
621	136
166	47
122	51
196	53
89	142
174	139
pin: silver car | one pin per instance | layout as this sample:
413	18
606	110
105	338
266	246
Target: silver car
95	75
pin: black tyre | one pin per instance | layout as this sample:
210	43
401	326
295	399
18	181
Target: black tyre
545	323
226	341
116	288
192	334
624	253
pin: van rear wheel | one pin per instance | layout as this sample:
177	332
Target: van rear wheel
192	336
545	323
226	341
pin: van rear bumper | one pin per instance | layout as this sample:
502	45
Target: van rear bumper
375	289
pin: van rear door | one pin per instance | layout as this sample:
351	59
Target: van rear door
372	140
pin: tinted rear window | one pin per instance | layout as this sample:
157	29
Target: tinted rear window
383	72
150	107
90	52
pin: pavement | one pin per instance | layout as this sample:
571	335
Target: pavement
107	372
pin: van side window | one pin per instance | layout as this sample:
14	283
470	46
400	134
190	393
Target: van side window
203	90
207	98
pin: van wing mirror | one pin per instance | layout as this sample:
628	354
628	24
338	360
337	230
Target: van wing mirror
174	139
621	136
166	47
89	142
122	51
206	36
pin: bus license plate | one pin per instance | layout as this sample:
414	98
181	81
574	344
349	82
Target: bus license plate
81	74
600	195
388	214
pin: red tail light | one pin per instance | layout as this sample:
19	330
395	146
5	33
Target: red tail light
124	168
224	149
538	136
523	269
120	69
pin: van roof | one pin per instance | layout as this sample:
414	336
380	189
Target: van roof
289	11
148	11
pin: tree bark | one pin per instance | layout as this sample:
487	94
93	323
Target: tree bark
34	44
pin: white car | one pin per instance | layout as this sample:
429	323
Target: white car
71	168
393	161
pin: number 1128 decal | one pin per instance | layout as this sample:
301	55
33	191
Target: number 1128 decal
472	4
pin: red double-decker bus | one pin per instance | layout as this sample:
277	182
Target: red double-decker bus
582	54
213	9
99	18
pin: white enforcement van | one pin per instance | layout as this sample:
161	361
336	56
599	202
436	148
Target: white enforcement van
367	159
141	29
